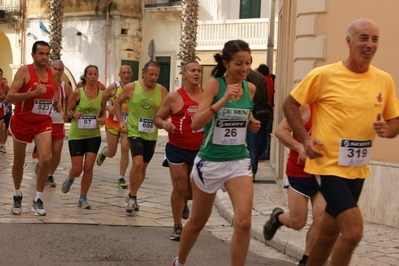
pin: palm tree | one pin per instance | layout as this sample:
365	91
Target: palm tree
188	31
56	17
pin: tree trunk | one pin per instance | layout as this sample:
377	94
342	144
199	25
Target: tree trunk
188	31
56	17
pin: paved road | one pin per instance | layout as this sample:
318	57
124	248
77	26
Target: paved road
106	234
70	244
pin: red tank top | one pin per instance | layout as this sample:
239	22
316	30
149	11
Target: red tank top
294	165
184	137
37	109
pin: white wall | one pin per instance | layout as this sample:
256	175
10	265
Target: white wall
78	51
166	35
223	10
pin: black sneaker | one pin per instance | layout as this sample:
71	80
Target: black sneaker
177	229
271	226
50	181
16	206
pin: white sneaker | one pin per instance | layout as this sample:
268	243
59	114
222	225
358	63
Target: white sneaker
16	206
37	208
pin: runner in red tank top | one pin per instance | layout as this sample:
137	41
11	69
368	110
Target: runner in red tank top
32	91
301	186
183	143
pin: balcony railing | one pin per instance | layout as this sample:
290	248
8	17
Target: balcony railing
161	3
212	35
9	9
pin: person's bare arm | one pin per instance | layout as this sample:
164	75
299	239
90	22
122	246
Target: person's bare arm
204	114
125	95
161	118
284	133
18	83
75	96
110	90
68	94
291	110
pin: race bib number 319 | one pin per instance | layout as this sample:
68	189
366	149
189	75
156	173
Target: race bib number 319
354	152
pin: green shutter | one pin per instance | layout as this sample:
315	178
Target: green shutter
250	9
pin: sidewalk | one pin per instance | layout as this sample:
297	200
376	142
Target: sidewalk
380	244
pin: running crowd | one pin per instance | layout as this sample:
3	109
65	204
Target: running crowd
208	130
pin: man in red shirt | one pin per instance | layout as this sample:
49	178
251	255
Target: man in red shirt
32	91
183	143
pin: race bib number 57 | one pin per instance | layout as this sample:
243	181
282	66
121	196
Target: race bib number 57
87	122
354	152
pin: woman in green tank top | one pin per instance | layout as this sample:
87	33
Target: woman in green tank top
225	111
84	136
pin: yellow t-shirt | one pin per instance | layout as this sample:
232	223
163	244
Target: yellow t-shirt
345	106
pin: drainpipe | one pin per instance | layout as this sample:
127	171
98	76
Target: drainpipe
270	38
108	4
22	43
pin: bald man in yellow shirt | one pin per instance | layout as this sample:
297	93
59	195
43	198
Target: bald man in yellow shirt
350	99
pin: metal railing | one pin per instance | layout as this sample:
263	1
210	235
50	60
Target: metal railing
213	34
161	3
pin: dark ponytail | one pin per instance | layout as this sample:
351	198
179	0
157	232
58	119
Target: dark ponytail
219	69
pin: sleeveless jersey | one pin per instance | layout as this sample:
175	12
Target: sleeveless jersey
37	109
86	127
58	117
184	137
111	117
294	165
143	106
225	134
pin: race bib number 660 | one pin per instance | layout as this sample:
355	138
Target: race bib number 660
354	152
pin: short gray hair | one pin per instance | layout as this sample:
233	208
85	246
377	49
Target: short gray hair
349	32
56	61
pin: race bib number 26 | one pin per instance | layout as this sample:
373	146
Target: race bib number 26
230	132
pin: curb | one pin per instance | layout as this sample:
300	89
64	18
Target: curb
223	203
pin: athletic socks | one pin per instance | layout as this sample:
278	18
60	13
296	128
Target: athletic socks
38	195
17	193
